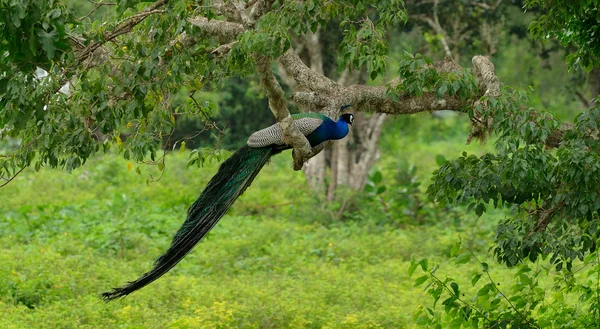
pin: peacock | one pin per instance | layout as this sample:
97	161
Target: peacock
233	177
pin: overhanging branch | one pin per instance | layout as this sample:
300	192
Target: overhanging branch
224	31
277	104
315	92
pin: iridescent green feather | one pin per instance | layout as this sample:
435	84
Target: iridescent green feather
234	176
314	115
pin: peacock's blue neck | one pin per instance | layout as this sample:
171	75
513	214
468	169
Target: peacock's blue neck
328	130
340	130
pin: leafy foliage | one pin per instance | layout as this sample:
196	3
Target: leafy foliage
551	191
573	23
527	303
34	33
419	76
134	90
71	87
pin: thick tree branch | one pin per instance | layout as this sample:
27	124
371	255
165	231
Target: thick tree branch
224	31
324	92
277	104
304	76
319	93
485	72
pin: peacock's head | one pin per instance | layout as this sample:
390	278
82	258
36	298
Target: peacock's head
347	117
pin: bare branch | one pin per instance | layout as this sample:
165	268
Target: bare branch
303	75
583	99
256	11
97	5
223	49
485	72
376	99
544	216
224	31
8	180
291	83
434	23
310	98
277	104
487	6
228	9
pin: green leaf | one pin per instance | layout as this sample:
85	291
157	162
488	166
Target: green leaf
475	279
484	290
33	40
454	286
480	209
463	258
455	249
440	159
48	40
377	177
374	75
420	280
441	91
412	268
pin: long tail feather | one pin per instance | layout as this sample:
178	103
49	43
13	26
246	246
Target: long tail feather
232	179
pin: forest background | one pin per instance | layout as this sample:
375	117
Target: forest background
381	253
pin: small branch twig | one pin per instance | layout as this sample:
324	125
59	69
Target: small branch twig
97	5
502	294
8	180
123	27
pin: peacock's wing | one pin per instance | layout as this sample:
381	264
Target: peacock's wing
273	135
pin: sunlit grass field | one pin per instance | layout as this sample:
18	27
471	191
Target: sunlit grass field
279	259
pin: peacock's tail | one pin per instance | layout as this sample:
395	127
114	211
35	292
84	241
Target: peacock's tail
232	179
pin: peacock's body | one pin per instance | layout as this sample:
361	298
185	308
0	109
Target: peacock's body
232	179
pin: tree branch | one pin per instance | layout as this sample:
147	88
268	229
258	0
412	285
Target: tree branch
277	104
304	76
8	180
437	27
255	10
316	92
224	31
97	5
123	27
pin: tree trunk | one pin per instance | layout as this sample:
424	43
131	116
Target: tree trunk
353	157
346	162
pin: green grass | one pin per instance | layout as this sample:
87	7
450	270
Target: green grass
276	260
